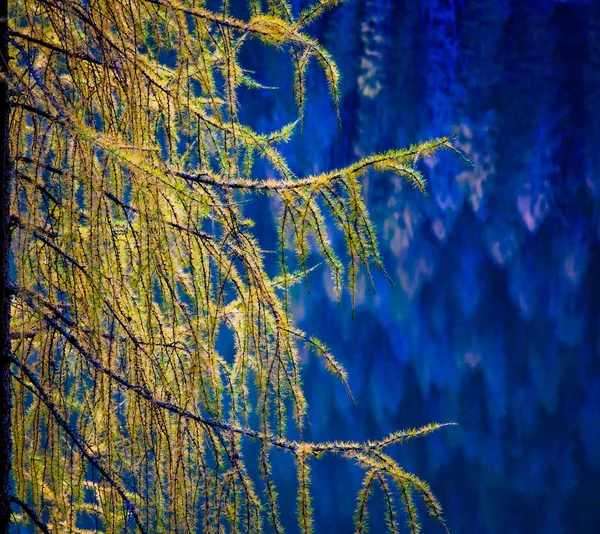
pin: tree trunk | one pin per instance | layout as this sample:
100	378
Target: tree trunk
5	393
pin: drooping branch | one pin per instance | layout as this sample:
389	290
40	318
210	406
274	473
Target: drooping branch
32	515
387	161
77	439
55	48
144	393
312	448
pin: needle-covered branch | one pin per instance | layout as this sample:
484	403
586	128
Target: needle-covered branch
132	260
77	440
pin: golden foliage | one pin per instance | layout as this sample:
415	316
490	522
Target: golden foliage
124	408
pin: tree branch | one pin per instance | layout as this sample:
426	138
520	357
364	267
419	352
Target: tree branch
56	48
313	448
207	178
38	390
32	515
37	111
146	394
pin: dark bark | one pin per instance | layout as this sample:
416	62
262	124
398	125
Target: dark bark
5	386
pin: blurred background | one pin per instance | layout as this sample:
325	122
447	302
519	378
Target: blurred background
493	320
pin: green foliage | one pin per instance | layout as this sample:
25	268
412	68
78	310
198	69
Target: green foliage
124	408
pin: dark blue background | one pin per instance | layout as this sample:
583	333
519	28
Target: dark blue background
494	318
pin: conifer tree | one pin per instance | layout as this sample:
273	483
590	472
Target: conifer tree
125	170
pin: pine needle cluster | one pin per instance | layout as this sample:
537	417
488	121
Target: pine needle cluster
131	255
